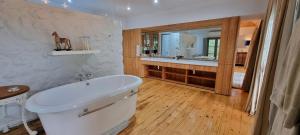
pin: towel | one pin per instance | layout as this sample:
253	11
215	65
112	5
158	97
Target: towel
285	99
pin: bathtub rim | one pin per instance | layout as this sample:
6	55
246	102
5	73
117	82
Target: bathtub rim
32	105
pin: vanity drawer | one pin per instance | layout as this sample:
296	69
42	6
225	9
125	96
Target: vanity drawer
164	64
180	66
150	63
155	63
203	68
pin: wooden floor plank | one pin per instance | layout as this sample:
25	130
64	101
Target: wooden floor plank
165	108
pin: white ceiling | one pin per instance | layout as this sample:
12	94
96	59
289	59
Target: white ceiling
145	13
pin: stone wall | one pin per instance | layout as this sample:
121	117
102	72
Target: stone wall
26	42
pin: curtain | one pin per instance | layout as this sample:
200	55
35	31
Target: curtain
263	60
253	51
256	79
253	47
250	62
283	11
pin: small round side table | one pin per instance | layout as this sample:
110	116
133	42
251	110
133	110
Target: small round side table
13	94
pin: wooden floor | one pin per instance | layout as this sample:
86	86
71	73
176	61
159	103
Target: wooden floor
170	109
240	69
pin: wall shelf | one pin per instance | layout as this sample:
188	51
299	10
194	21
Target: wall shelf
151	70
76	52
178	74
204	78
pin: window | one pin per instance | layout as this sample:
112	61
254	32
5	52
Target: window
213	47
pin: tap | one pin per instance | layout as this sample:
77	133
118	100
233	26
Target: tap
86	76
81	77
178	57
89	76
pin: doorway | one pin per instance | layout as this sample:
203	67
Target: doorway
247	31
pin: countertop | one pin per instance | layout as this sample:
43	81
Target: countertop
183	61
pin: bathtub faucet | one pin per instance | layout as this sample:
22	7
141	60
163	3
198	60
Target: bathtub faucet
85	76
89	76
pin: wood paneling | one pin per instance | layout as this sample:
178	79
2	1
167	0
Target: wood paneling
240	59
220	75
130	66
193	75
250	23
187	26
226	55
131	39
203	68
181	66
224	42
232	39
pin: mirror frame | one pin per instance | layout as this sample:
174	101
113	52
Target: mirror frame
227	48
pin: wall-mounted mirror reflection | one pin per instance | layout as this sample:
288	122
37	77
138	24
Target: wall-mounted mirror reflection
198	44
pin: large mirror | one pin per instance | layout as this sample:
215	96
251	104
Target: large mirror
198	44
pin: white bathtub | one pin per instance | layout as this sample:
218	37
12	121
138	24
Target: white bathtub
94	107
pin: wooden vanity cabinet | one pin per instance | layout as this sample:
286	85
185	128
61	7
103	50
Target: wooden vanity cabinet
153	71
132	65
192	75
202	78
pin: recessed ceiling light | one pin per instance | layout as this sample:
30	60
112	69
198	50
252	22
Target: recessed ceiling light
155	1
65	5
70	1
45	1
128	8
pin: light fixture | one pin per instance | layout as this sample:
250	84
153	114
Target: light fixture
65	5
155	1
70	1
128	8
247	42
45	1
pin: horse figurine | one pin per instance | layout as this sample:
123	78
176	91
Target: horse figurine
60	41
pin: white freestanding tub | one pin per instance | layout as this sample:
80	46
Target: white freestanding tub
93	107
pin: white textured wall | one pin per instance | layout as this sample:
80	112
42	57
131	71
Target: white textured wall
25	44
